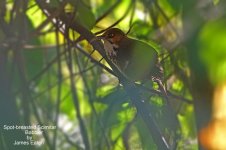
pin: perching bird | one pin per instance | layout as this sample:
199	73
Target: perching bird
139	62
134	58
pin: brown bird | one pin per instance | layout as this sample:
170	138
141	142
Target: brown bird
139	62
134	58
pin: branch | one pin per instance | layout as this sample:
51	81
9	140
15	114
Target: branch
129	86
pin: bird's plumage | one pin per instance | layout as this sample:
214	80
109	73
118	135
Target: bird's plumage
135	58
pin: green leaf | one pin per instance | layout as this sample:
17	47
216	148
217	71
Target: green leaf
212	47
33	57
141	30
116	96
145	136
176	4
83	14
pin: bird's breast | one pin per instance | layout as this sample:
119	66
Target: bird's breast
110	48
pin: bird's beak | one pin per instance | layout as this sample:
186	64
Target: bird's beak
97	38
100	37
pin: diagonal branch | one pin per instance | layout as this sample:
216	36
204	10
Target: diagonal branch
129	86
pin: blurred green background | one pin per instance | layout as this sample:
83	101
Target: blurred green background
46	80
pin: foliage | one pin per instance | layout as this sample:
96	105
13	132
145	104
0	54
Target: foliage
51	75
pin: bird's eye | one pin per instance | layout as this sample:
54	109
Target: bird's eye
111	35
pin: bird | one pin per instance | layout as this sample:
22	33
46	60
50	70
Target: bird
136	59
139	62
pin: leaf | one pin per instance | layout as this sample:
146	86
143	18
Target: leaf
213	49
116	96
176	4
141	30
185	4
33	57
145	136
83	14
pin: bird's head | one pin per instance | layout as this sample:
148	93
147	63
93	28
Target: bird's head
113	35
112	38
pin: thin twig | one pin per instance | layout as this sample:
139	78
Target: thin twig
108	11
76	100
120	19
91	103
59	65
